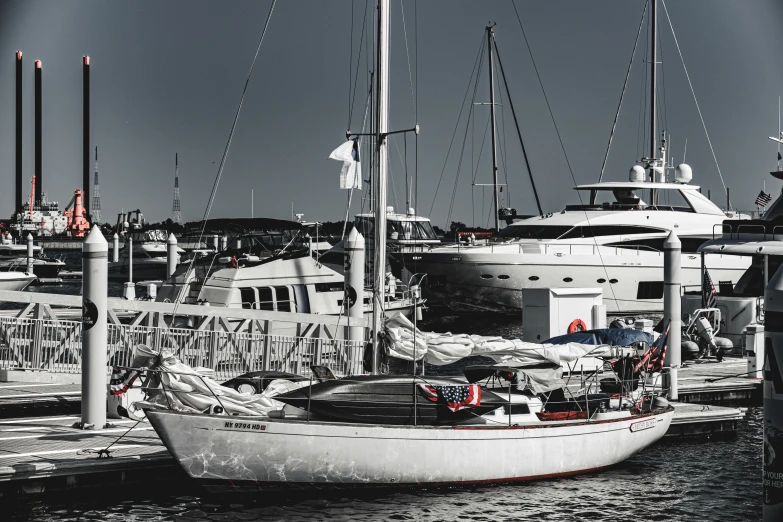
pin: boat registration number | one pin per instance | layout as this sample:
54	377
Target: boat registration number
248	426
644	425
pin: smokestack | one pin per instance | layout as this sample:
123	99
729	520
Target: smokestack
86	138
18	198
38	129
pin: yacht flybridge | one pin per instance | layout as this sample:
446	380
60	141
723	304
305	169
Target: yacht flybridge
614	241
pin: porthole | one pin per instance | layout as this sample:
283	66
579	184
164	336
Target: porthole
602	280
533	278
486	276
567	279
503	276
613	281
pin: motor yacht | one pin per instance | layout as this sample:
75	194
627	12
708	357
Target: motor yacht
148	255
13	257
614	240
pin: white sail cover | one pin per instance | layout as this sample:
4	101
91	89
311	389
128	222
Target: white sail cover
181	388
440	349
351	174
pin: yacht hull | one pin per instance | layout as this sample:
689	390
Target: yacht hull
238	453
488	281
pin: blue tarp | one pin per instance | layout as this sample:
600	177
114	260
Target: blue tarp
611	336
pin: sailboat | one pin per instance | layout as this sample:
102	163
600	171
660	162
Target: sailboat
379	430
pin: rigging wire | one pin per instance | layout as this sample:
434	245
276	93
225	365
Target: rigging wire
502	143
407	54
352	91
519	133
479	56
641	132
350	62
664	124
219	174
562	146
622	94
694	96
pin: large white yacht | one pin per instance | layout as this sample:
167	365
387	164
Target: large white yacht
614	241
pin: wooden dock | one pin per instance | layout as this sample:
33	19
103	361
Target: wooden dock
711	381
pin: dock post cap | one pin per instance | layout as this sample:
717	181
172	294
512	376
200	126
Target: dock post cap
95	242
672	241
29	236
171	240
116	236
355	238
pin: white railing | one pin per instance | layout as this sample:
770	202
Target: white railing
43	344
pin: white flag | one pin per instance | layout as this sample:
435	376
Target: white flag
351	174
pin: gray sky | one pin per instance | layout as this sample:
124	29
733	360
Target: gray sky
167	76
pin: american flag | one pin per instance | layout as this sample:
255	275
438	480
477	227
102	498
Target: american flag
121	380
763	199
652	360
455	397
708	291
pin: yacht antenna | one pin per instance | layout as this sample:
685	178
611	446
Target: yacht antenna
490	38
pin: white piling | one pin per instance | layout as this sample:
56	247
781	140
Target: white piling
95	254
773	401
115	249
215	242
171	255
672	250
354	281
29	253
239	244
223	243
130	288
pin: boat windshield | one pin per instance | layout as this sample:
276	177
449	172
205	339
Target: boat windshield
421	230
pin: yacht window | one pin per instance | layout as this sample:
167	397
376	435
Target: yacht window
610	230
332	258
329	287
265	299
156	254
425	230
283	299
516	409
248	296
650	290
534	231
567	279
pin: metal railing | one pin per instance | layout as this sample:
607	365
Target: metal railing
43	344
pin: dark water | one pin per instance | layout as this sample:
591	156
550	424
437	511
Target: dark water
676	479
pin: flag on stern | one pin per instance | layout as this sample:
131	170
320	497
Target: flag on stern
455	397
122	379
351	174
708	291
763	199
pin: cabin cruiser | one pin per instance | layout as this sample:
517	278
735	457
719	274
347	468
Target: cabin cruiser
148	255
13	257
406	233
288	281
15	280
613	241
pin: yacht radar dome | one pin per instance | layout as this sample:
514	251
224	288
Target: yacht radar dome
683	173
637	174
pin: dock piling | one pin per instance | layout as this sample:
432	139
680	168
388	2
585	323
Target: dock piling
354	281
171	255
95	253
672	250
115	249
29	253
773	400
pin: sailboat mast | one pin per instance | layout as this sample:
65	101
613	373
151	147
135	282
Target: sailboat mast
653	66
379	286
490	37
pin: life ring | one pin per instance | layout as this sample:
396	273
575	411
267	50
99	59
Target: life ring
577	325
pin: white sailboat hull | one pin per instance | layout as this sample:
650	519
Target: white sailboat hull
483	280
251	452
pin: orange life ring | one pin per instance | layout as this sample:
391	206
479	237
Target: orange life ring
577	325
